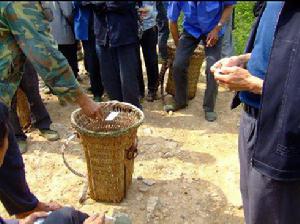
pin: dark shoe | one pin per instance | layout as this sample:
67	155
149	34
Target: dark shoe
151	97
173	107
210	116
49	134
22	146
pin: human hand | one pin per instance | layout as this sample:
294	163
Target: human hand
212	37
41	206
238	79
33	217
90	107
47	207
95	219
227	62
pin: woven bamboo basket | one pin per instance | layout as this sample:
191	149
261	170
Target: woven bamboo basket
193	70
110	148
23	109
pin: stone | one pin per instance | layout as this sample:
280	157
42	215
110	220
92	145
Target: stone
190	181
148	131
171	144
149	182
143	188
139	178
167	155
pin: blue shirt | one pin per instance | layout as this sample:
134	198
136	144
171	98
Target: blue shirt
200	17
260	55
150	20
82	16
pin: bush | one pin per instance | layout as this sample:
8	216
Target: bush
243	22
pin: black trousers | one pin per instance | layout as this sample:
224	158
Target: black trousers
265	200
30	86
70	53
119	70
15	194
148	44
93	66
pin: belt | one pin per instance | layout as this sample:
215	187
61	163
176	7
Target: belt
252	111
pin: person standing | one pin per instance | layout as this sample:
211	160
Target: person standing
84	31
203	21
25	34
148	43
62	29
267	81
42	121
116	31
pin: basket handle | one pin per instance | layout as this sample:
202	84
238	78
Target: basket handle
83	195
132	152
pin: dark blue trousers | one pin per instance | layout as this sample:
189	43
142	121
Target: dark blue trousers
265	200
119	70
93	66
15	194
92	61
30	85
66	215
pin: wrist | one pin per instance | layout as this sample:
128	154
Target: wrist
82	99
255	84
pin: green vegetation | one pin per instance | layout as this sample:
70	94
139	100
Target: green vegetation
243	22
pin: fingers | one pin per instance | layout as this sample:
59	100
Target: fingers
95	219
40	214
52	206
221	78
34	216
217	65
211	40
228	70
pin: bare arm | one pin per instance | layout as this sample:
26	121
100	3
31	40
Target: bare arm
226	14
213	36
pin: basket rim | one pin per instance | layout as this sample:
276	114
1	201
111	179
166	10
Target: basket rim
109	133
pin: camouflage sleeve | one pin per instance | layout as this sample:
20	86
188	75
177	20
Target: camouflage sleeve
31	30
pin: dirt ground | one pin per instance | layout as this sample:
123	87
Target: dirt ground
191	164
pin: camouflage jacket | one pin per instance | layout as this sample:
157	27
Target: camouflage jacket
25	32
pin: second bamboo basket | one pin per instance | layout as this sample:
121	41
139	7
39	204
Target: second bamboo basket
193	70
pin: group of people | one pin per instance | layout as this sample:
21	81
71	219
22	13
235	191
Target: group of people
41	38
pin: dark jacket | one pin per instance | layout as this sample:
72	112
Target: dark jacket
116	23
277	149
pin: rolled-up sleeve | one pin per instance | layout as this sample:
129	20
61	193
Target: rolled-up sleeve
32	32
174	9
